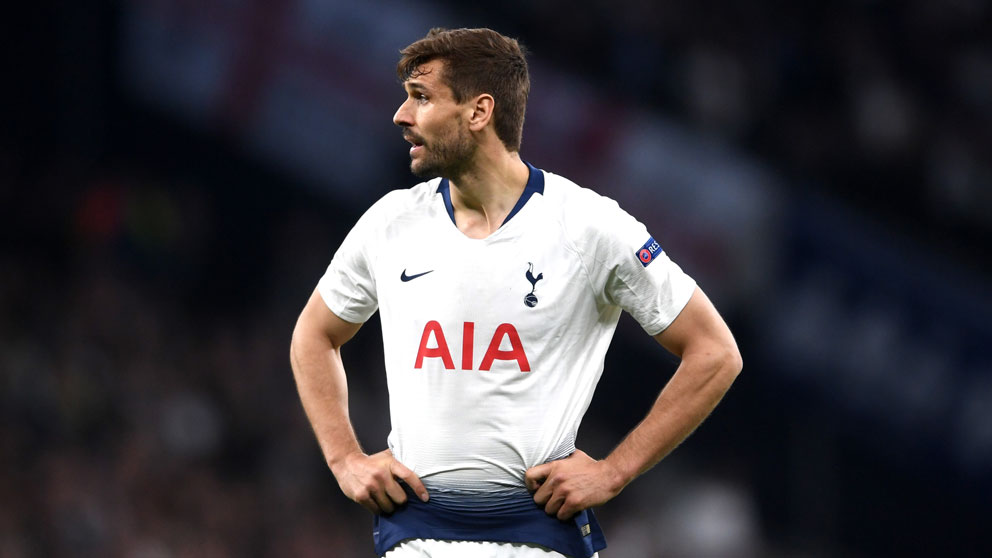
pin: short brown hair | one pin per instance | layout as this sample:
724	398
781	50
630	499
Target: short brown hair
477	61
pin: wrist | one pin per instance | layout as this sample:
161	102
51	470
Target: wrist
339	462
619	478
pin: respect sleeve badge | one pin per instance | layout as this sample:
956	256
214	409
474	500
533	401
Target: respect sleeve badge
649	251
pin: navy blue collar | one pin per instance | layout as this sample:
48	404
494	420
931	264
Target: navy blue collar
535	185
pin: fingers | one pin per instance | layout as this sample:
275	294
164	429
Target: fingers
383	501
371	506
395	493
388	494
544	493
400	471
371	481
535	476
383	494
559	501
554	485
382	498
567	510
554	503
368	502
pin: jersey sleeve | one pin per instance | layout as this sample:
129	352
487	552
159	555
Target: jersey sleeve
630	269
348	286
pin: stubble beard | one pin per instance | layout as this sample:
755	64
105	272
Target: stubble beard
446	157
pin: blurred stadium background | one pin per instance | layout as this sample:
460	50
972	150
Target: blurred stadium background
175	175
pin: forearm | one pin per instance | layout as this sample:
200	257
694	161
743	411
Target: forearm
690	396
323	388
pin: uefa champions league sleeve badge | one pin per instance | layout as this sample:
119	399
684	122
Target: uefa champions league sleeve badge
531	299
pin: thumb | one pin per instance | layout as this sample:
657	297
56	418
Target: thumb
535	476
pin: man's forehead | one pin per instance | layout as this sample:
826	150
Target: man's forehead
426	75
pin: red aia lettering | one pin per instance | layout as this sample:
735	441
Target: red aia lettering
493	353
440	351
516	351
468	343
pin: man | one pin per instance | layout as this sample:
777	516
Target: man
499	287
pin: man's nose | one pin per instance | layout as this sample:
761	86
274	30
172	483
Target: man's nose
402	116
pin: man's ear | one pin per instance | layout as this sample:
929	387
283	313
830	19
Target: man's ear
482	112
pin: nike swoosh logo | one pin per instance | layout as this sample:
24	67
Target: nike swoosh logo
404	277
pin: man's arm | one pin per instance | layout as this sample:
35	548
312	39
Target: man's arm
315	355
710	362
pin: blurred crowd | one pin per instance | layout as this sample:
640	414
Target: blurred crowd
138	421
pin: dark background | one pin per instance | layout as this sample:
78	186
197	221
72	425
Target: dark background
176	175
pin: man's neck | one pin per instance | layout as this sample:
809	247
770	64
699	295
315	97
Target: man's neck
486	192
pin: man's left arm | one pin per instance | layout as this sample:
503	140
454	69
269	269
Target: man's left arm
710	363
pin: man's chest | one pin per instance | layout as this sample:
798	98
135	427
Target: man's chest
533	275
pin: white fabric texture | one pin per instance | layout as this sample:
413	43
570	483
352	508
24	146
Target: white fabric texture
430	548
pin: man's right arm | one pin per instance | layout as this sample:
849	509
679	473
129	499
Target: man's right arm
315	356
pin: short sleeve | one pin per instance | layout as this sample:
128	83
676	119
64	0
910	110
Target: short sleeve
633	270
654	294
348	286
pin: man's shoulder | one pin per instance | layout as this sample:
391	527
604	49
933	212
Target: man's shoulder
581	210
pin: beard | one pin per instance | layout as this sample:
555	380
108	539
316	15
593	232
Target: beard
448	156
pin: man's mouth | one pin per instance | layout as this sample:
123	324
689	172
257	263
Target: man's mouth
417	143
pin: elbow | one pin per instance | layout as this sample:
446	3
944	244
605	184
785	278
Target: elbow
718	364
732	363
727	363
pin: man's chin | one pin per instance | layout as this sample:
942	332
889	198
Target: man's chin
424	171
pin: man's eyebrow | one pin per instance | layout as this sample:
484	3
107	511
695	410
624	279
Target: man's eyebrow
415	86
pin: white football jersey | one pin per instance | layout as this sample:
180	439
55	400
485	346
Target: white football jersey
493	347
